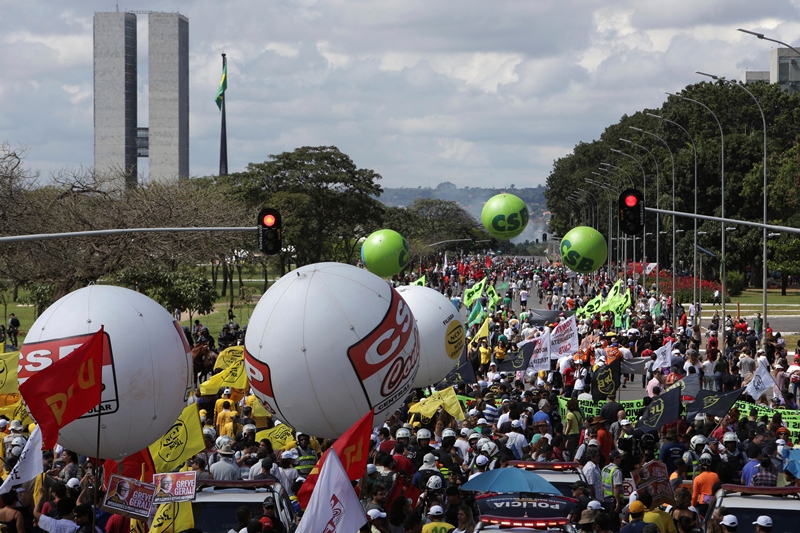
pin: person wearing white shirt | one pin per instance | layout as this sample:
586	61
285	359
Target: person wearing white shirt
516	440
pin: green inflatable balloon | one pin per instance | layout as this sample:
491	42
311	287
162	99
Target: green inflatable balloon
385	253
584	249
504	216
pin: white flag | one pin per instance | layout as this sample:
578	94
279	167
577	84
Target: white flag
761	383
663	357
29	465
564	339
334	506
444	268
540	357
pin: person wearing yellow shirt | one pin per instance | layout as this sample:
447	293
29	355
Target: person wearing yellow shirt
225	416
500	351
656	516
437	523
486	355
226	397
260	415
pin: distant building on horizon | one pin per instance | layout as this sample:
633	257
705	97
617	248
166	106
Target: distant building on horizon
784	69
118	139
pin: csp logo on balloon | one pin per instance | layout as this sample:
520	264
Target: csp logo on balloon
584	249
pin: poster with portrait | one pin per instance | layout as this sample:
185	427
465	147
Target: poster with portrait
174	487
129	497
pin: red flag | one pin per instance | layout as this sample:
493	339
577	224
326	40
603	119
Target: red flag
488	262
352	448
67	389
137	466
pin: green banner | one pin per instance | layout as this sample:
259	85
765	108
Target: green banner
591	409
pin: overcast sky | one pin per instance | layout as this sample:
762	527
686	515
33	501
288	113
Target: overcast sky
421	91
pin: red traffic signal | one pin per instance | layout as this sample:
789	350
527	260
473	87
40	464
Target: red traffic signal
269	231
631	211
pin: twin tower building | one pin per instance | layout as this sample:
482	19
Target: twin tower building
119	141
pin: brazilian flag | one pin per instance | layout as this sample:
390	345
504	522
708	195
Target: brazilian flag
223	85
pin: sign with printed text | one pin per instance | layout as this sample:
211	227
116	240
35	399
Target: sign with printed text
540	355
174	487
129	497
653	477
564	339
36	356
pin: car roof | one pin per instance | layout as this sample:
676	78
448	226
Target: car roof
244	491
738	496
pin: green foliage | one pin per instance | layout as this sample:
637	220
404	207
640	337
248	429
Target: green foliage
40	295
187	291
734	283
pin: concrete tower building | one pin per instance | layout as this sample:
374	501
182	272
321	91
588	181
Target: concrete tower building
168	66
115	94
118	141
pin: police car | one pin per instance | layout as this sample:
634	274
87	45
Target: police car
215	504
525	510
560	474
781	504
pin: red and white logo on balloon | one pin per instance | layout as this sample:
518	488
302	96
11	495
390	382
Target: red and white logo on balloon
260	379
36	356
387	359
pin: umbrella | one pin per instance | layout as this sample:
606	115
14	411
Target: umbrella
510	480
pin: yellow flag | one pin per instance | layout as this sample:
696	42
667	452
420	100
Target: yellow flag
279	435
173	518
233	377
8	373
229	356
483	332
182	441
446	398
18	411
137	526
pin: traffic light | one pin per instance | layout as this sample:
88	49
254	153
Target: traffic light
269	231
544	237
631	211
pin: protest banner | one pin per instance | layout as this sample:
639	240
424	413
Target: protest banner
653	477
129	497
175	487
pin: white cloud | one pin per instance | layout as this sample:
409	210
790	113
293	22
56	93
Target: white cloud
421	92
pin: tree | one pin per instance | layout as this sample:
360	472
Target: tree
326	202
181	290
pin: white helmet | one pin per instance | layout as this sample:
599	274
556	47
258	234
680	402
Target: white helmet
403	433
210	432
698	440
19	441
448	433
730	436
705	459
481	442
248	427
474	435
434	483
222	441
490	449
15	451
423	434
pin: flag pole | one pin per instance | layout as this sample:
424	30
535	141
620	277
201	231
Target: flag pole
223	141
97	446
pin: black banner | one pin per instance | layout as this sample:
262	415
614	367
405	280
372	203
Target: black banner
520	360
712	403
605	381
462	374
664	409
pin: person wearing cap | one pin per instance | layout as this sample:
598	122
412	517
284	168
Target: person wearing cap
729	523
226	397
436	523
481	464
306	455
376	521
580	493
82	514
225	468
271	511
586	522
637	523
763	524
611	479
490	411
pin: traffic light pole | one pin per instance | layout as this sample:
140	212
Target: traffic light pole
761	225
97	233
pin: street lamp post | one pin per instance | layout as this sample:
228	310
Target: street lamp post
722	176
694	257
764	248
674	262
609	165
644	227
610	223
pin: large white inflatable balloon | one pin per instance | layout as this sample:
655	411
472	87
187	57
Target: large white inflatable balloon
327	343
146	366
441	333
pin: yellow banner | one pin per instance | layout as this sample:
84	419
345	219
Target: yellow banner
18	411
279	436
229	356
8	373
483	332
183	440
444	398
234	377
173	518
